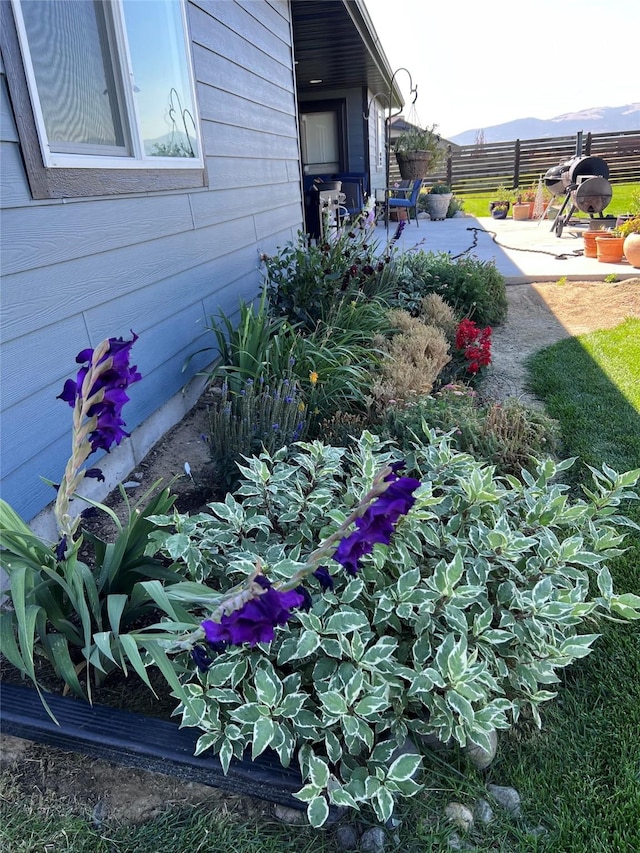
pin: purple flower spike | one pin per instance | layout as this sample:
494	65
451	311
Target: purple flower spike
377	522
256	620
95	473
399	230
113	383
61	549
201	658
323	575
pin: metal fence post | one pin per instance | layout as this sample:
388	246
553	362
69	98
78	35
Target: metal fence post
516	166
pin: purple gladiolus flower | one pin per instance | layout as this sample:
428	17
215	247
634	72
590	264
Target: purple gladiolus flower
307	601
201	658
323	575
377	522
256	620
95	474
399	230
113	383
61	549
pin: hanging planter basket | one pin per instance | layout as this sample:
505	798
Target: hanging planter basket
413	164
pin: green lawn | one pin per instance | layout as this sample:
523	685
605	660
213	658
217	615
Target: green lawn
625	196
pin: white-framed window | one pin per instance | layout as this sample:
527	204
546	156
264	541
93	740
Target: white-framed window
110	83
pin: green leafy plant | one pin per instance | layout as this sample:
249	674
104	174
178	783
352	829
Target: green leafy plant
457	629
245	347
305	282
630	226
509	435
422	139
473	288
440	189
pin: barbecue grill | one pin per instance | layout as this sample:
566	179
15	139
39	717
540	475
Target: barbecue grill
584	182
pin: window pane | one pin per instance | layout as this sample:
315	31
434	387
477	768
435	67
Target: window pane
70	55
320	142
157	46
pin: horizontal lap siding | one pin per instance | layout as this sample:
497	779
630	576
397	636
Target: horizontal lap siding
161	264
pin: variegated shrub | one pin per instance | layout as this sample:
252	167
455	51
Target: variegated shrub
454	630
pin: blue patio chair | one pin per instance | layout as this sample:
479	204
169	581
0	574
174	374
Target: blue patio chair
407	202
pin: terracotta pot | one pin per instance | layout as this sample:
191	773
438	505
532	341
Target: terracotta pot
399	214
590	243
631	249
609	248
520	211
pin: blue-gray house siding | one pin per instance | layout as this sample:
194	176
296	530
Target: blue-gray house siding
76	271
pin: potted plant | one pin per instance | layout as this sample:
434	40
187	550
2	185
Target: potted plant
609	246
418	150
438	199
630	231
520	209
499	207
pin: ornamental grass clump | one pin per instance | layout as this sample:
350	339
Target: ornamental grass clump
457	624
509	435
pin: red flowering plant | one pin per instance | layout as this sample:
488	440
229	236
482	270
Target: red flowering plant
474	344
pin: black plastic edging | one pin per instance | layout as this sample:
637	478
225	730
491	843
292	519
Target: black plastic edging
135	740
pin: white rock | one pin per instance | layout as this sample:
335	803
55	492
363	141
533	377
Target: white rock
506	797
373	840
291	816
483	812
478	756
460	815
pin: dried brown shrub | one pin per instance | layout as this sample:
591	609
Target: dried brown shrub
416	355
434	311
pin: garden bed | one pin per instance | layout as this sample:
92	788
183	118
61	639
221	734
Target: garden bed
539	315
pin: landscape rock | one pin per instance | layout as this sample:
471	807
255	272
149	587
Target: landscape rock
483	812
293	817
346	836
460	815
373	840
479	757
506	797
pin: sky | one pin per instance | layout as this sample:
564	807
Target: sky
483	62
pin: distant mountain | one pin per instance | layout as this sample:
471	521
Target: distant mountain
595	119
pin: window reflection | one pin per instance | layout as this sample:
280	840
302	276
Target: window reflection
155	30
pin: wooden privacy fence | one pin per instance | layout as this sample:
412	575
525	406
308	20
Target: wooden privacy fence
519	163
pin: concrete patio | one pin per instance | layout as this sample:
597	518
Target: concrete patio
522	250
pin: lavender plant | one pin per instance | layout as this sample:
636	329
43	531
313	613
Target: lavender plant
456	628
260	415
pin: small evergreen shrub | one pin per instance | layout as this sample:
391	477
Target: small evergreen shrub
509	435
473	288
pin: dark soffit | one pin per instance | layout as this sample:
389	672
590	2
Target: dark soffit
335	41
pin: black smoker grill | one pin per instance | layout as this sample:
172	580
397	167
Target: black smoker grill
584	181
